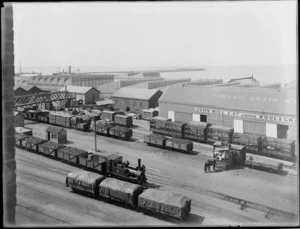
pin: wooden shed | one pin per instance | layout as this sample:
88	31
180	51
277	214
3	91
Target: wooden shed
19	119
56	134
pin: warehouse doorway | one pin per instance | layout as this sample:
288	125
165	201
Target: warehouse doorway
282	131
203	118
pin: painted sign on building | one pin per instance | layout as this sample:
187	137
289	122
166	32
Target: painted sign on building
247	115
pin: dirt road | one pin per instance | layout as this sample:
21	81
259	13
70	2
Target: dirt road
243	196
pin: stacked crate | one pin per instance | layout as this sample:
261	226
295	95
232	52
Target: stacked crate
219	133
196	131
123	120
252	142
279	148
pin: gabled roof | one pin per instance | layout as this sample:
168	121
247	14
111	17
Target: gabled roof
77	89
17	113
104	102
267	100
135	93
54	129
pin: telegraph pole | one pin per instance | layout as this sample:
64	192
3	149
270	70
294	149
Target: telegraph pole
95	134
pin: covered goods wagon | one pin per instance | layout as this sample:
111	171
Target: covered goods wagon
279	148
166	203
50	148
60	119
219	133
196	131
70	154
121	191
84	181
149	113
123	120
110	115
252	142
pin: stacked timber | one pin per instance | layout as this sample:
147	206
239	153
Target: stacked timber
219	133
196	131
123	120
121	132
251	141
121	191
279	148
179	144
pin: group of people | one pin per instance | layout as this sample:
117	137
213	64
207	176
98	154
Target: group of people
209	163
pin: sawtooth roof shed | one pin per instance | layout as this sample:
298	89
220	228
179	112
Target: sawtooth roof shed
273	101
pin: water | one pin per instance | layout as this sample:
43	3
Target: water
265	74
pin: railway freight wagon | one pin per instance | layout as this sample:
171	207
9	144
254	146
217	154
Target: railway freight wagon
50	149
252	143
169	128
32	143
160	202
60	119
93	162
196	131
169	142
84	181
123	120
121	191
19	138
166	203
278	148
110	115
70	154
158	122
37	115
120	132
219	133
81	122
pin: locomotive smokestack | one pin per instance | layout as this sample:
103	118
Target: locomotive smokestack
139	164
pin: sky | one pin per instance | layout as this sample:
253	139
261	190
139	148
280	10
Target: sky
155	34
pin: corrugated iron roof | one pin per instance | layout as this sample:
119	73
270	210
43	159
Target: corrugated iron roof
261	100
135	93
104	102
77	89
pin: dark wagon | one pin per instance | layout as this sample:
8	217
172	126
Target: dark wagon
278	148
196	131
123	120
50	149
120	132
165	203
169	128
253	143
70	154
32	143
179	145
155	140
219	133
93	162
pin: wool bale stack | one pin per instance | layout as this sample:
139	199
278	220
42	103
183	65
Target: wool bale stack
196	131
252	142
219	133
280	148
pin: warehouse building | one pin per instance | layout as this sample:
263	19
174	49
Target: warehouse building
27	90
263	111
136	99
160	83
56	82
87	95
19	91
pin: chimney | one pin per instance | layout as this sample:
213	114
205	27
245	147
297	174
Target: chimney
139	164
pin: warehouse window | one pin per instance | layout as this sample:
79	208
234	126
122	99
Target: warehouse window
203	118
282	131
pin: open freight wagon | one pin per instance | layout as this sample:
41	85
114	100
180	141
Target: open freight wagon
50	149
120	132
70	154
19	138
93	162
32	143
